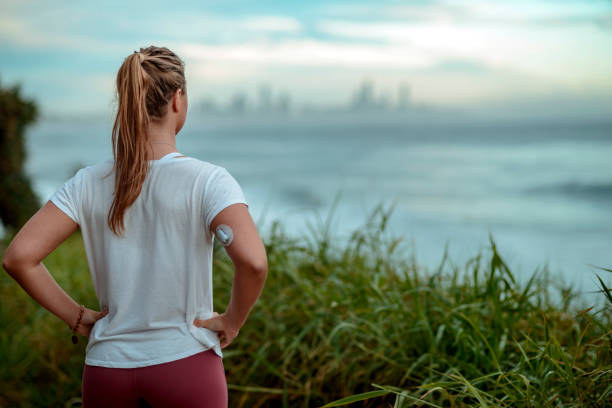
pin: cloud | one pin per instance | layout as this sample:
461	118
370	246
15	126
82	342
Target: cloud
435	40
272	24
21	33
548	54
464	66
87	29
518	12
428	11
306	52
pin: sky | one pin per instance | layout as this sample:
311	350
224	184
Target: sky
65	54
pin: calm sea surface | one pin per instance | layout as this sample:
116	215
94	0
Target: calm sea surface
542	189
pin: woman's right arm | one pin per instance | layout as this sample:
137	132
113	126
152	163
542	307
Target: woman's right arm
248	255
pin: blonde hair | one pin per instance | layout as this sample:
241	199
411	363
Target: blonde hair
146	81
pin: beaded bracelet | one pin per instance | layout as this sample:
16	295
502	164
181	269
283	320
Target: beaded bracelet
75	339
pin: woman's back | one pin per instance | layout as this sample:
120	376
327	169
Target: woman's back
157	277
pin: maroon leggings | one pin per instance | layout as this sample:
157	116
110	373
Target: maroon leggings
190	382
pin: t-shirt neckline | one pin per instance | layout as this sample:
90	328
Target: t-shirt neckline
166	157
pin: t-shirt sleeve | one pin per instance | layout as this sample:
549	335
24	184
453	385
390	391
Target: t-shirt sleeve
68	197
222	190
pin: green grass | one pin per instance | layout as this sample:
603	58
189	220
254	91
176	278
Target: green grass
355	319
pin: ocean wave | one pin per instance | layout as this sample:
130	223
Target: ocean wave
576	189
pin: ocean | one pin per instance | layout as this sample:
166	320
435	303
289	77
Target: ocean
541	188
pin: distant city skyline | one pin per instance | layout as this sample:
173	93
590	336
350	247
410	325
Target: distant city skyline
268	100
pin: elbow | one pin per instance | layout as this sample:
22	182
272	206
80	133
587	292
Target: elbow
8	262
13	262
255	266
260	268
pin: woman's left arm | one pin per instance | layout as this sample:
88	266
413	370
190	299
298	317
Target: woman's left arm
42	234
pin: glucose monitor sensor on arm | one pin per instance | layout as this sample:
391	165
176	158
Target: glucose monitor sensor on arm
224	234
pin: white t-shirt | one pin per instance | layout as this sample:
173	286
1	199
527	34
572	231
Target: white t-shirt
157	277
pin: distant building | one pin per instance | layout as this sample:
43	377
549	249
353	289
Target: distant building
363	99
283	103
238	103
265	98
403	97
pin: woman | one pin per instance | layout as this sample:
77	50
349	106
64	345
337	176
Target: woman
148	220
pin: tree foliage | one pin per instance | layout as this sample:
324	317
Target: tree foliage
17	199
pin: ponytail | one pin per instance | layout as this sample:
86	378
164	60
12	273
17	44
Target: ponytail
140	94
